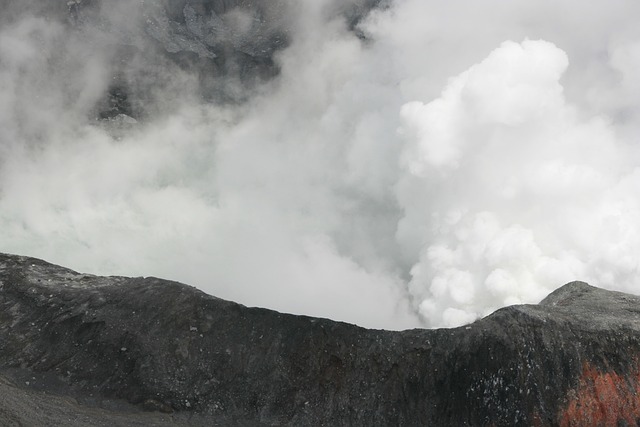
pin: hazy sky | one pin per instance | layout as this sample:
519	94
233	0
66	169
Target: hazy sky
460	157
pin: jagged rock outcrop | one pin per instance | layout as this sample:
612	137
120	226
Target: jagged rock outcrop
118	346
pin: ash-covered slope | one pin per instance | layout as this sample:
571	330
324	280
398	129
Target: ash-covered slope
104	348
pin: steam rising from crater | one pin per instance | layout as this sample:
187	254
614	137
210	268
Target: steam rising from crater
431	165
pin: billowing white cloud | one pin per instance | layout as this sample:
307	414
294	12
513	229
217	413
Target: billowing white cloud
515	186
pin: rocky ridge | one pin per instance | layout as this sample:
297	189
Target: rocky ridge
163	352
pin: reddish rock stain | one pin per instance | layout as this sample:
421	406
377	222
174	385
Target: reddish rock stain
603	399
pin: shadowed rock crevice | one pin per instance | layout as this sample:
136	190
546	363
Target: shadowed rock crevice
112	342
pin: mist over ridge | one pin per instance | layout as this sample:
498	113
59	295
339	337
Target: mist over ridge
400	165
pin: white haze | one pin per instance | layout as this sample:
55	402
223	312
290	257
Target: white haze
461	157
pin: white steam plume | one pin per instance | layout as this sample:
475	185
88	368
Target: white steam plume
455	159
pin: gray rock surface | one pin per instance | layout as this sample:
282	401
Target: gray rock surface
157	51
77	345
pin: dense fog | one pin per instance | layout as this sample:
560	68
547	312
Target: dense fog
419	165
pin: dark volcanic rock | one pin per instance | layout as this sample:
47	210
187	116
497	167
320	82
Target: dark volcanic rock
125	345
156	51
146	58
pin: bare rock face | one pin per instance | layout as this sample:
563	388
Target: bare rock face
104	348
156	51
152	56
